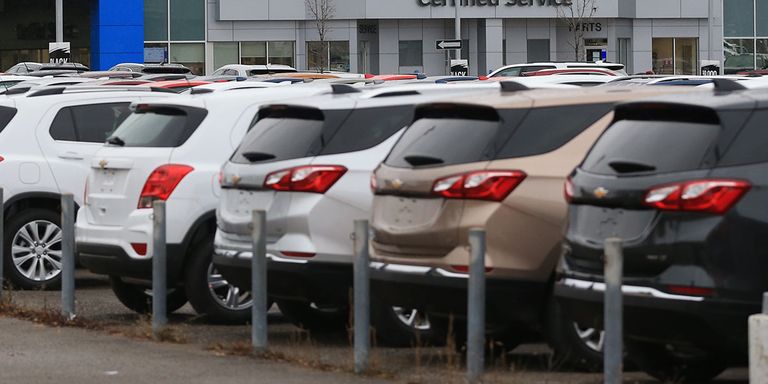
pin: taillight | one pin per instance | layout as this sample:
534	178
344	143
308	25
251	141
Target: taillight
711	196
161	183
690	290
139	248
568	190
465	268
481	185
298	254
311	178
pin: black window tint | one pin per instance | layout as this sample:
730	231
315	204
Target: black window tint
365	128
6	115
63	126
95	123
751	143
161	127
441	142
653	146
274	139
546	129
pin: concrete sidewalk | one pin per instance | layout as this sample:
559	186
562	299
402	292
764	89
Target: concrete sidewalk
32	353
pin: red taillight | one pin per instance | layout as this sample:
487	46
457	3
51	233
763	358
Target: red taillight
481	185
139	248
465	268
690	290
712	196
312	178
568	190
298	254
161	183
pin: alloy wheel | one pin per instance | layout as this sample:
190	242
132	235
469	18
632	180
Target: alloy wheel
412	318
226	294
593	338
36	250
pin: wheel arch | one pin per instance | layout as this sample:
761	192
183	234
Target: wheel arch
47	200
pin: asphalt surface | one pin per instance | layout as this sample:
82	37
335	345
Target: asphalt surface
204	353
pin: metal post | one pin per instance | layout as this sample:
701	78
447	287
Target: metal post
457	27
67	256
362	296
765	294
159	276
2	236
613	353
259	282
476	307
59	21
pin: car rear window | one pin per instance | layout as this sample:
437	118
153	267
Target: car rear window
158	126
750	145
6	115
91	123
368	127
637	146
546	129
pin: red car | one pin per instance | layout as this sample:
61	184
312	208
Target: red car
178	85
572	71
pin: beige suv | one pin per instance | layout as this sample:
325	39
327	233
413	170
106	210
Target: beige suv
498	162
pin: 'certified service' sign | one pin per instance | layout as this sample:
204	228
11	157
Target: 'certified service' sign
495	3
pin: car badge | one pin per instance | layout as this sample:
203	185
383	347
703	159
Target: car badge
396	183
236	179
600	192
103	163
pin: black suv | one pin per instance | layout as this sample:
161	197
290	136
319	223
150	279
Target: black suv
683	181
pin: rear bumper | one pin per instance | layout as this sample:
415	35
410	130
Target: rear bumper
655	316
509	303
112	260
290	278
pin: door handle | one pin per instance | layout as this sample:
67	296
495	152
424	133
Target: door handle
69	155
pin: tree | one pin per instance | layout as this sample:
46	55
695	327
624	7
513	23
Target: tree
322	11
576	15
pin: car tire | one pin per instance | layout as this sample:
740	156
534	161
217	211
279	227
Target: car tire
658	361
209	293
26	238
138	298
313	318
399	327
575	347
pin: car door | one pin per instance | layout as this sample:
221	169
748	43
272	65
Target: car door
71	133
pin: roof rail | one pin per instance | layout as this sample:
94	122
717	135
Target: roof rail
59	90
512	86
727	85
199	91
17	90
47	91
342	89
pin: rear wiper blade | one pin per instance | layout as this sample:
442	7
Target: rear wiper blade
421	160
254	157
115	140
630	167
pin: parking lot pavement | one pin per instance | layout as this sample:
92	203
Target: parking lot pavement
91	353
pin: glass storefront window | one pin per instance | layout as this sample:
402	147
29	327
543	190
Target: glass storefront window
190	55
538	50
253	53
317	55
623	51
411	53
739	17
280	52
187	20
155	52
225	53
334	56
761	53
155	20
686	62
662	54
339	56
761	17
739	55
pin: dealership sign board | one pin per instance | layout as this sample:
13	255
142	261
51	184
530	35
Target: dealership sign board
58	52
495	3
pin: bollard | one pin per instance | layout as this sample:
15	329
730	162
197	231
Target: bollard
476	307
362	296
159	276
613	352
68	256
2	236
259	282
758	345
765	294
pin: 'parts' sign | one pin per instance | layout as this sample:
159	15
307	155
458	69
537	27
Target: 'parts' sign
495	3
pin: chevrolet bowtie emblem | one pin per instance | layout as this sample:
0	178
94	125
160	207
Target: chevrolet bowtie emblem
396	183
600	192
103	163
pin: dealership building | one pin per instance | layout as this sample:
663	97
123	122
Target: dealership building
394	36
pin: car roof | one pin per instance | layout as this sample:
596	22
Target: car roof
715	100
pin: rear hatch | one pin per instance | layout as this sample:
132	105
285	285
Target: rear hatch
445	140
282	137
142	143
648	147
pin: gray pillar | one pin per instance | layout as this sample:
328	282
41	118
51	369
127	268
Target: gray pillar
59	21
493	49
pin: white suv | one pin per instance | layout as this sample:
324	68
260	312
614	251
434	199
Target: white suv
169	151
47	139
515	70
308	164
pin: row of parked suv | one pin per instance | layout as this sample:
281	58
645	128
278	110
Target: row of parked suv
674	171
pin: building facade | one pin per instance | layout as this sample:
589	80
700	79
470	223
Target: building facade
397	36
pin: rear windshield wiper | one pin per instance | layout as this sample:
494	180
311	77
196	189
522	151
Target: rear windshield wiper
254	157
630	167
115	140
421	160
